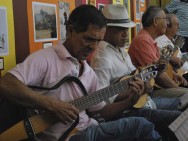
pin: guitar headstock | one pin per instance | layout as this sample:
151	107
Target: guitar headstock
151	71
167	52
178	41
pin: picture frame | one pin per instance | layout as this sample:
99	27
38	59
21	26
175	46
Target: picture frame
47	44
138	28
137	9
1	63
101	6
4	49
126	4
45	22
64	12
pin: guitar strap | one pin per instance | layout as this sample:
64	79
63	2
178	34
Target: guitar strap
65	79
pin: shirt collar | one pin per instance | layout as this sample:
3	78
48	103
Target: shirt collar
62	52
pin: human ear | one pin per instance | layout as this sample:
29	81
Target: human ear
155	21
69	29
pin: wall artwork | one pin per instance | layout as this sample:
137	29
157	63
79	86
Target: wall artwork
117	1
45	22
101	6
137	9
143	1
138	27
126	3
92	2
1	63
64	12
4	50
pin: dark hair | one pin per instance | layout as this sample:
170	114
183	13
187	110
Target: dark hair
149	15
85	15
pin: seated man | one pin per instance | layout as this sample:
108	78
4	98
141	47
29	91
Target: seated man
86	27
110	62
167	39
144	50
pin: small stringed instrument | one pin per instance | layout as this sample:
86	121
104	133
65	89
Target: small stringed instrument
42	121
178	42
166	54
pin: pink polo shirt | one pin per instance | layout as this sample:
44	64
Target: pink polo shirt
143	49
47	67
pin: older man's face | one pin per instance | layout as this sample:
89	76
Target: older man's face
118	35
161	23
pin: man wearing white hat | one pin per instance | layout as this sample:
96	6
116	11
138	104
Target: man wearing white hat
110	62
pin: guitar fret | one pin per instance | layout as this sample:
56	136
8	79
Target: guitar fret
105	93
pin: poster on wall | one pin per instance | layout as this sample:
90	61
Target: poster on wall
45	22
64	12
92	2
137	9
126	4
142	1
101	6
138	28
117	1
4	50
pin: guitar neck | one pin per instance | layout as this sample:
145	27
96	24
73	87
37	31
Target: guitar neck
103	94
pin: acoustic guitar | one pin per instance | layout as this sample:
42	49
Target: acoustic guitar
166	54
178	42
42	121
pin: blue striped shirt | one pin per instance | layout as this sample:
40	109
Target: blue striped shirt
181	11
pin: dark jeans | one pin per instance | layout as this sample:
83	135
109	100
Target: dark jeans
160	118
124	129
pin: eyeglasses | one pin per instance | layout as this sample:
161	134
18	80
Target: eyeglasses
162	18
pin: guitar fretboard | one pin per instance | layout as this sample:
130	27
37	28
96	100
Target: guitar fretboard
105	93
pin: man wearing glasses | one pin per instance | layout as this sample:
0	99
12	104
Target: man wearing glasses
179	7
144	50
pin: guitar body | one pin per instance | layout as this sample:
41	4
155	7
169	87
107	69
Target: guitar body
169	72
143	99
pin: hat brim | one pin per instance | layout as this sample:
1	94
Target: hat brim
128	25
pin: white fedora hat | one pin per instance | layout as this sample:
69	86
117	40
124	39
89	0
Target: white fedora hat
117	15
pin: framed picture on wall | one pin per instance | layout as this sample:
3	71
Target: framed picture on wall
64	12
138	27
45	22
4	50
126	3
137	9
142	1
1	63
101	6
92	2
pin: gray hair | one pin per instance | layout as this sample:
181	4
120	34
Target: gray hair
150	14
169	17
